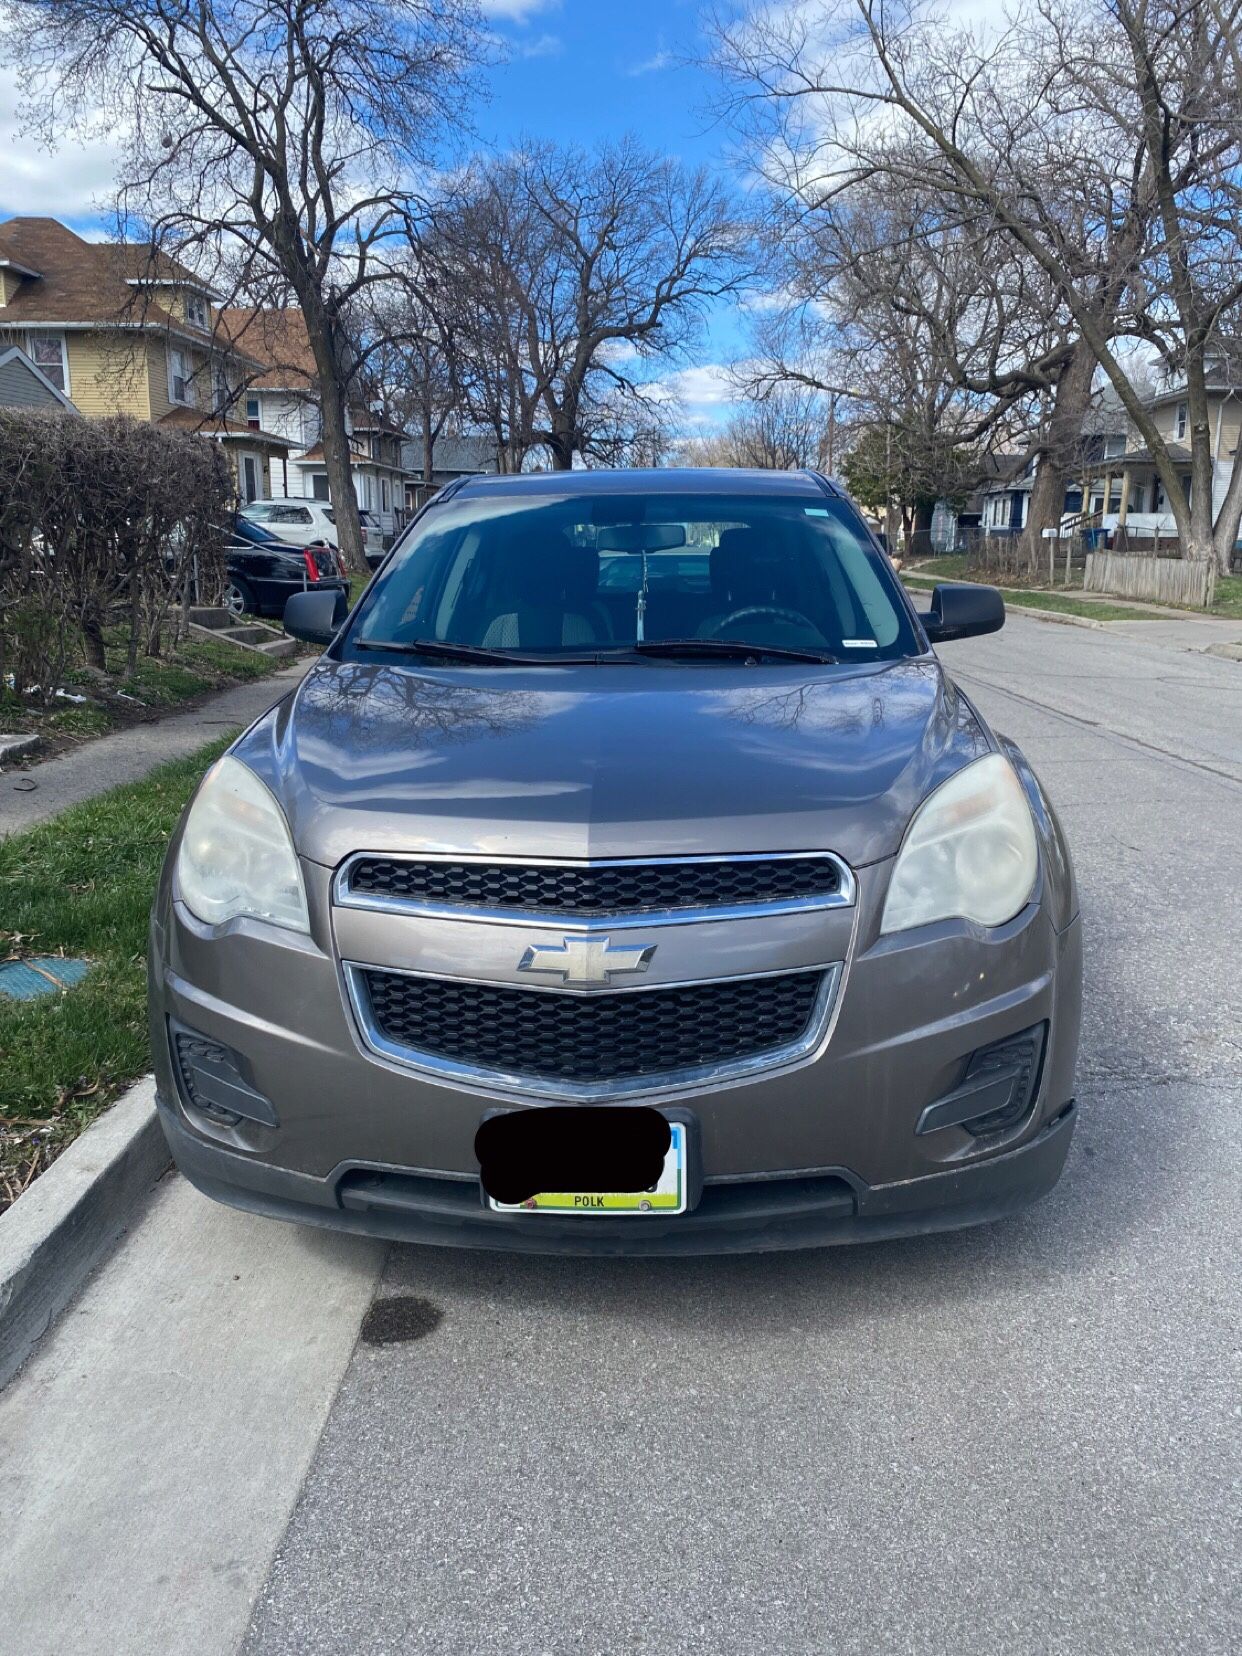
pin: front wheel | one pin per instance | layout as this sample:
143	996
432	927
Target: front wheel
238	598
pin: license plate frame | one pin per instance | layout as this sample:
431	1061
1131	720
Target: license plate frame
670	1196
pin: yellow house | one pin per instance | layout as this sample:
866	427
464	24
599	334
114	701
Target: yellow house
119	331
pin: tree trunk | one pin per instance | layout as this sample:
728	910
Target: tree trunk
93	642
429	450
341	481
332	405
1069	407
920	545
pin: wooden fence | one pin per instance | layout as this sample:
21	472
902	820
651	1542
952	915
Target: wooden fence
1162	580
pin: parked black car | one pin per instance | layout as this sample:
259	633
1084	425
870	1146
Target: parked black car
264	571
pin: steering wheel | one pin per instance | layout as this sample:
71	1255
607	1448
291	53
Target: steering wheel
772	611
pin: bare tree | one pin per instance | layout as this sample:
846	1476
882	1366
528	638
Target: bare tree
413	361
1102	140
783	430
574	273
268	142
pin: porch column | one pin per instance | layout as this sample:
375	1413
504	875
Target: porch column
1125	501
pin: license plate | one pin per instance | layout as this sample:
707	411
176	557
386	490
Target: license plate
667	1195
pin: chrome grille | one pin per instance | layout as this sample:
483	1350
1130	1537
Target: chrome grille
596	889
595	1040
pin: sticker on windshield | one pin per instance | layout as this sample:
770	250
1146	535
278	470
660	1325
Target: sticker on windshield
815	511
859	644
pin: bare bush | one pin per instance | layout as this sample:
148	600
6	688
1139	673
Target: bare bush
103	523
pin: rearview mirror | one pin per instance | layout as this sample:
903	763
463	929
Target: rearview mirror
640	537
315	617
962	610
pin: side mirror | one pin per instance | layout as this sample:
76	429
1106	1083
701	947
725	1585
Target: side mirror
315	617
960	610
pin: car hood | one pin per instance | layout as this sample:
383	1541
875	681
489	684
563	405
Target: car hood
651	759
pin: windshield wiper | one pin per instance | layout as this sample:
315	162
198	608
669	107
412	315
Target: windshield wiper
735	649
437	647
479	653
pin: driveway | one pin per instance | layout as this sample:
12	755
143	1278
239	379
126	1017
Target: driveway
1020	1438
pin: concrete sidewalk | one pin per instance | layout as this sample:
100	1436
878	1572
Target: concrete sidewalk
128	755
152	1449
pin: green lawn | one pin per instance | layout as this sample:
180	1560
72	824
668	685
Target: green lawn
956	566
1228	602
193	669
1063	603
81	885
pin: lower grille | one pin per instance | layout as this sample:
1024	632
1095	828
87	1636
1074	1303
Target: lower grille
547	1035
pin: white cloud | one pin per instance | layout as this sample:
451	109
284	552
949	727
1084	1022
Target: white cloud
544	45
516	11
705	393
70	182
653	65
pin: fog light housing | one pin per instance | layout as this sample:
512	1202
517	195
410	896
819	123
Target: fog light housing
997	1091
211	1080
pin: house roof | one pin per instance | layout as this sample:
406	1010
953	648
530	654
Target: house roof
216	425
16	358
357	457
1178	453
66	279
277	339
465	454
1003	472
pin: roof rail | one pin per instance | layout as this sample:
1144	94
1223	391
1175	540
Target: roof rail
822	479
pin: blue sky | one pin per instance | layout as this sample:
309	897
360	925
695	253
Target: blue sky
576	71
584	71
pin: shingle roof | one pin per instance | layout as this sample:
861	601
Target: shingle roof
1178	453
82	281
216	425
278	340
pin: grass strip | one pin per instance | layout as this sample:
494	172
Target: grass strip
81	884
1059	602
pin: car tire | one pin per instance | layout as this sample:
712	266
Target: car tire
238	598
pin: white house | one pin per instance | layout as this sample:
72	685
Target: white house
283	398
1124	492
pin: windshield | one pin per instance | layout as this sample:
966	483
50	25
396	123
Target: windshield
585	575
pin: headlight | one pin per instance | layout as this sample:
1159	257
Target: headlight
236	855
969	850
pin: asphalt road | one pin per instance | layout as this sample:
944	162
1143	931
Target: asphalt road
1021	1438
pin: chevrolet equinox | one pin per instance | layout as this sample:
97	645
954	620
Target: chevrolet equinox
627	876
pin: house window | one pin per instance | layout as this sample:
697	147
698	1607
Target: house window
249	477
384	493
196	310
222	391
47	352
1138	494
1114	495
180	376
319	486
1182	414
253	418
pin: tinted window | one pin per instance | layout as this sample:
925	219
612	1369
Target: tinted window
564	574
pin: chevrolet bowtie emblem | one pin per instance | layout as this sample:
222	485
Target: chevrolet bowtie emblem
586	960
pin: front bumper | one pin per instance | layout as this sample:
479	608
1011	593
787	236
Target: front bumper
803	1210
824	1150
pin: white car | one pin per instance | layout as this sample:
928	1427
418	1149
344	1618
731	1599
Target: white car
299	520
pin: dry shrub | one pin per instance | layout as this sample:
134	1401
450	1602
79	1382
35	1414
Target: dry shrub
103	523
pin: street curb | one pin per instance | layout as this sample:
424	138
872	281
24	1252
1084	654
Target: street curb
1058	618
58	1231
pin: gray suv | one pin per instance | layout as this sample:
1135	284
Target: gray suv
627	876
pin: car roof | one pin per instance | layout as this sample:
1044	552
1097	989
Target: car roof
288	500
671	480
